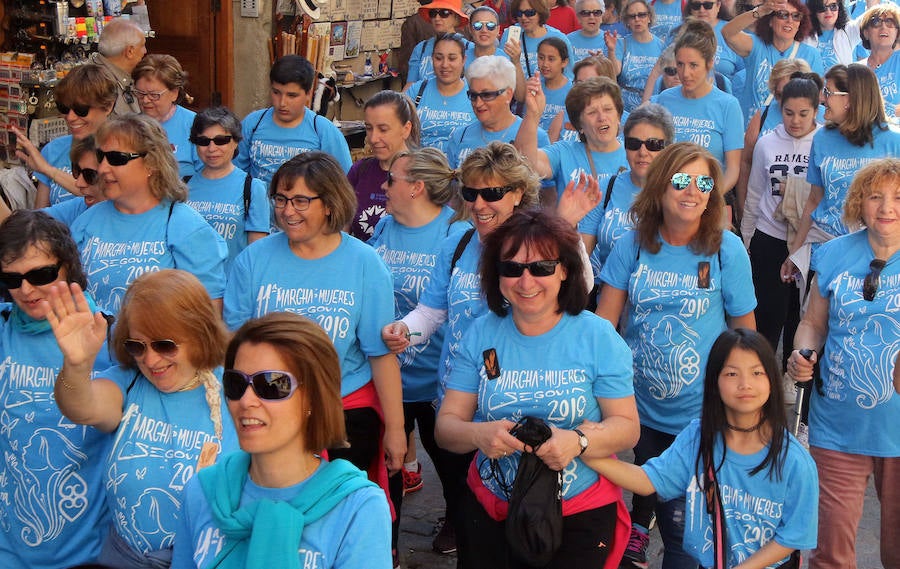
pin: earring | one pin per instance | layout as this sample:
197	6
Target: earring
412	195
309	412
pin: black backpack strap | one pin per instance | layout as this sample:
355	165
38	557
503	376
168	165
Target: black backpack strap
762	117
134	379
256	126
609	188
460	247
247	181
419	93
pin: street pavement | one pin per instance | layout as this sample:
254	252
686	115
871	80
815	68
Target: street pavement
422	509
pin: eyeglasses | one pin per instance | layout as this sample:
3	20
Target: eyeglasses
681	181
268	385
137	348
151	96
827	8
391	178
829	93
300	203
36	277
118	158
442	12
486	96
220	140
785	15
594	13
652	144
637	16
513	269
878	20
80	110
670	71
478	26
90	175
494	194
704	5
529	13
870	284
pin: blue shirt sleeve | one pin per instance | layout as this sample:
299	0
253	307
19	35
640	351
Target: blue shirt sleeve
260	210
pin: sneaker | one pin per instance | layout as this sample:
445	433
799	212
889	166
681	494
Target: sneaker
790	391
412	481
636	550
445	540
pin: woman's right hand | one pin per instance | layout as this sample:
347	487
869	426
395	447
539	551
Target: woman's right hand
494	441
79	332
535	100
800	368
513	49
789	271
395	336
29	153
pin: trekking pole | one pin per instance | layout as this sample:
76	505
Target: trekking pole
802	386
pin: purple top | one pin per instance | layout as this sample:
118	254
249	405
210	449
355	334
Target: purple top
366	177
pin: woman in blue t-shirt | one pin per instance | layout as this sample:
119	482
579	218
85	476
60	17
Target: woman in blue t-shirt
852	327
634	55
880	30
834	34
679	280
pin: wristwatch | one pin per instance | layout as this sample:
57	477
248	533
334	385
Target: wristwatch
582	440
755	11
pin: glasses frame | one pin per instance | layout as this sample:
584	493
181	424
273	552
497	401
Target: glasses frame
490	195
294	200
784	15
38	276
152	96
634	144
91	176
514	270
829	93
870	283
877	21
704	183
833	7
588	13
478	26
486	96
670	71
529	13
637	16
391	178
250	380
79	110
117	157
705	5
137	349
442	12
218	140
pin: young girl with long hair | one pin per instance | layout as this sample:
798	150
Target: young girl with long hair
764	479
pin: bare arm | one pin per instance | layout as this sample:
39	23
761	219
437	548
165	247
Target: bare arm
513	50
32	157
733	32
456	432
811	333
526	139
386	376
732	170
611	304
750	138
628	476
650	86
556	126
744	321
610	38
816	193
253	236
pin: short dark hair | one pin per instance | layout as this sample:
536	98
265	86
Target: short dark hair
581	94
324	176
25	228
807	86
540	231
88	84
816	5
293	69
217	116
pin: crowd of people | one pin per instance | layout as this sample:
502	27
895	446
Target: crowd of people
219	337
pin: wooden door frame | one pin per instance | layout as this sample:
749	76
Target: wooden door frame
223	44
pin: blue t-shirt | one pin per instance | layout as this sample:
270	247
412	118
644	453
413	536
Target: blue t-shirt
178	129
637	61
56	153
583	45
117	247
464	139
530	46
833	162
557	376
266	145
438	114
727	62
616	220
759	63
420	64
347	292
53	511
356	533
859	402
66	211
888	74
672	322
667	16
411	255
556	102
157	445
713	121
221	203
758	508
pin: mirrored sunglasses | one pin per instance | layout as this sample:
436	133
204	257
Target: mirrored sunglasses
680	181
478	26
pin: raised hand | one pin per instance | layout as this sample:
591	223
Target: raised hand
578	199
79	332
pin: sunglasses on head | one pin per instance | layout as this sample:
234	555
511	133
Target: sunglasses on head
652	144
486	96
513	269
478	26
681	181
90	175
494	194
586	13
219	140
878	20
36	277
269	385
785	15
117	157
827	8
870	284
670	71
529	13
137	348
705	5
442	12
80	110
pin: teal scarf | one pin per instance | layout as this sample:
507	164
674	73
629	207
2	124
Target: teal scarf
28	325
266	534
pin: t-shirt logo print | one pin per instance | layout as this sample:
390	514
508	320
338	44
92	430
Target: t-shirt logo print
368	215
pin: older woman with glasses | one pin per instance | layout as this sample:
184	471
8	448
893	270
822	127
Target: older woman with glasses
159	86
588	40
85	97
880	34
163	402
852	331
445	16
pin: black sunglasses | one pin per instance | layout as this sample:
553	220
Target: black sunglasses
80	110
670	71
878	20
513	269
494	194
586	13
827	8
219	140
391	178
36	277
637	16
704	5
137	348
486	96
117	157
785	15
870	284
527	13
652	144
442	12
269	385
90	175
478	26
